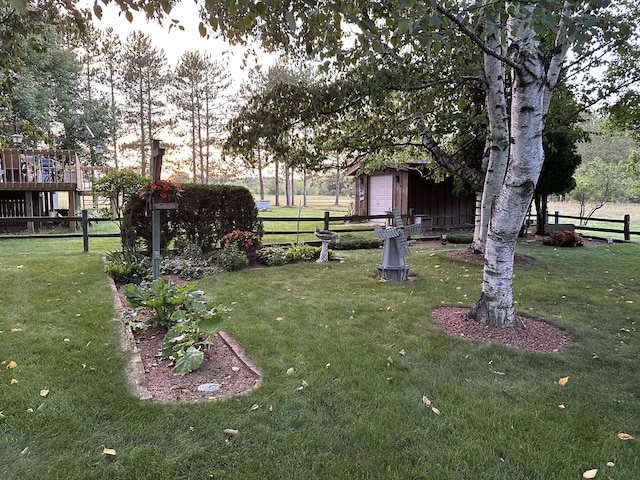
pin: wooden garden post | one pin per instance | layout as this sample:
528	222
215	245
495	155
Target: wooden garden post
156	169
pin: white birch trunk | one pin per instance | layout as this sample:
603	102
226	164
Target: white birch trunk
496	305
498	133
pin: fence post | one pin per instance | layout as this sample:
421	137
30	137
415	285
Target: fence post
627	228
326	221
557	217
85	229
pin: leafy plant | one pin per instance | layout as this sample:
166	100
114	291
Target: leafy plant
126	269
458	237
304	253
230	258
272	256
163	299
567	238
353	242
191	336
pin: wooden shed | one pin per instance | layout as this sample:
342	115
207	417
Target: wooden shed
414	193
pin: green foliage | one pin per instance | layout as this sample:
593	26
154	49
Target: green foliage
272	256
118	186
163	299
349	241
304	253
190	264
124	269
207	212
275	256
230	258
191	335
459	237
567	238
191	325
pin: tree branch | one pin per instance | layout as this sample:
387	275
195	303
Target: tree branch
476	39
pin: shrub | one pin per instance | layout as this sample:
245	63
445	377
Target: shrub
230	258
126	269
459	237
272	256
304	253
205	213
190	264
353	242
567	238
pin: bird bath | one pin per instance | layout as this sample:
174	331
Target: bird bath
325	237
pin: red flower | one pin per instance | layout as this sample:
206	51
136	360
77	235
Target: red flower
163	196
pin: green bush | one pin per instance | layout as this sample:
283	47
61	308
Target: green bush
230	258
208	212
127	269
303	253
205	214
353	242
459	237
272	256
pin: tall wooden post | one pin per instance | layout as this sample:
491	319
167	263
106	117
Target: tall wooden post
156	170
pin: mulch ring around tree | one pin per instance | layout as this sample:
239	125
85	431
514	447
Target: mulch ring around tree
527	334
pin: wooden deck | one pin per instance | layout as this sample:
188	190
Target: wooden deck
40	170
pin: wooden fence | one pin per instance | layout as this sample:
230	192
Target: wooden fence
346	224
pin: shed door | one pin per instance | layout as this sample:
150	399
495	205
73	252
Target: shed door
380	194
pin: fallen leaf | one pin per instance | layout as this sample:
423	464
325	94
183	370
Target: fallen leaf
279	318
425	400
561	406
15	330
590	473
436	266
625	436
231	431
435	410
235	369
12	364
610	464
108	451
403	352
562	382
255	406
1	416
13	381
304	383
271	408
327	365
44	392
79	291
24	451
290	371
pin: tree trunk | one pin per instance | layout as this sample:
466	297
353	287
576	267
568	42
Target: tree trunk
260	179
498	140
496	306
277	183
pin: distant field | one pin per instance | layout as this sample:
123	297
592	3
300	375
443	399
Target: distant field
610	211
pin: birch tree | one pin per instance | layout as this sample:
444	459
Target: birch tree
525	47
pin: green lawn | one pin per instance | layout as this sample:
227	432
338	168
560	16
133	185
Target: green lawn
362	414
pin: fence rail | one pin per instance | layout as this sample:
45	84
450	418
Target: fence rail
327	220
625	231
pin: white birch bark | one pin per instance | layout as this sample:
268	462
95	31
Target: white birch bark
496	305
498	131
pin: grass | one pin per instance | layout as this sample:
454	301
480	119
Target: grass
615	211
362	414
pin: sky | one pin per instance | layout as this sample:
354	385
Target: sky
175	42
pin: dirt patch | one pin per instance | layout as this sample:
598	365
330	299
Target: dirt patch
227	371
528	334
